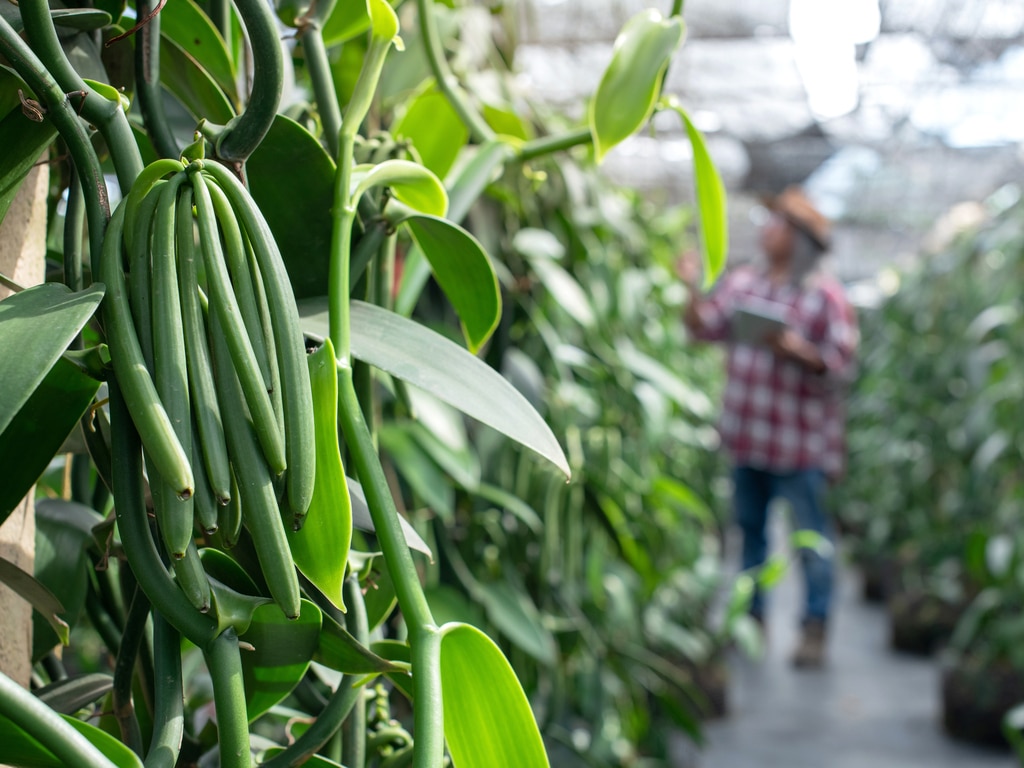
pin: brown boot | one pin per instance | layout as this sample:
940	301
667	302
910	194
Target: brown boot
810	654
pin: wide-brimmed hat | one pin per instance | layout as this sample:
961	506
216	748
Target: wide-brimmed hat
793	205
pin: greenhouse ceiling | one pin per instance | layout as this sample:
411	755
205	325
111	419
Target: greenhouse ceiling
890	111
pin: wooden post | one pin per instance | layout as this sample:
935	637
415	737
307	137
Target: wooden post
23	259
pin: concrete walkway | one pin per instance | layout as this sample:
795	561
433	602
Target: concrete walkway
869	708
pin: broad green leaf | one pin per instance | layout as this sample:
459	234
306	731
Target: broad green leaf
63	535
320	547
434	128
340	651
464	271
506	122
711	204
40	427
515	615
410	183
424	477
465	183
22	750
383	20
36	326
281	651
425	359
185	25
488	722
629	86
347	20
192	85
35	593
24	142
291	177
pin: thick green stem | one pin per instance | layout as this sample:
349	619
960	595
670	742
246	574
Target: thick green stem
124	670
239	138
147	82
324	92
339	286
424	638
35	717
68	125
447	81
169	702
225	664
551	144
353	748
106	114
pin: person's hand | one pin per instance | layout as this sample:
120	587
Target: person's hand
790	344
688	270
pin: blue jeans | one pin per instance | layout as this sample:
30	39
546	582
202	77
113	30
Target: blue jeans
804	489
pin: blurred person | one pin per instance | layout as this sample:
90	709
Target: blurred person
791	337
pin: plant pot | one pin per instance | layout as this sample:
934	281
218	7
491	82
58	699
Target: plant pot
920	622
880	575
976	696
711	680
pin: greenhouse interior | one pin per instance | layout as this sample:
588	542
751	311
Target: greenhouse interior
511	384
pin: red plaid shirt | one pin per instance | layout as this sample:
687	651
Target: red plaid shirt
776	414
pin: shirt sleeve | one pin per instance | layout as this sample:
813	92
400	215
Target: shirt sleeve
839	341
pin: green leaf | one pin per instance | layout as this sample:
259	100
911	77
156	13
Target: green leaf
40	427
434	128
192	85
22	750
383	20
425	359
281	651
23	142
339	650
506	122
36	326
711	204
464	272
291	177
488	722
320	547
629	86
410	183
347	20
63	536
515	615
772	572
42	600
184	24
